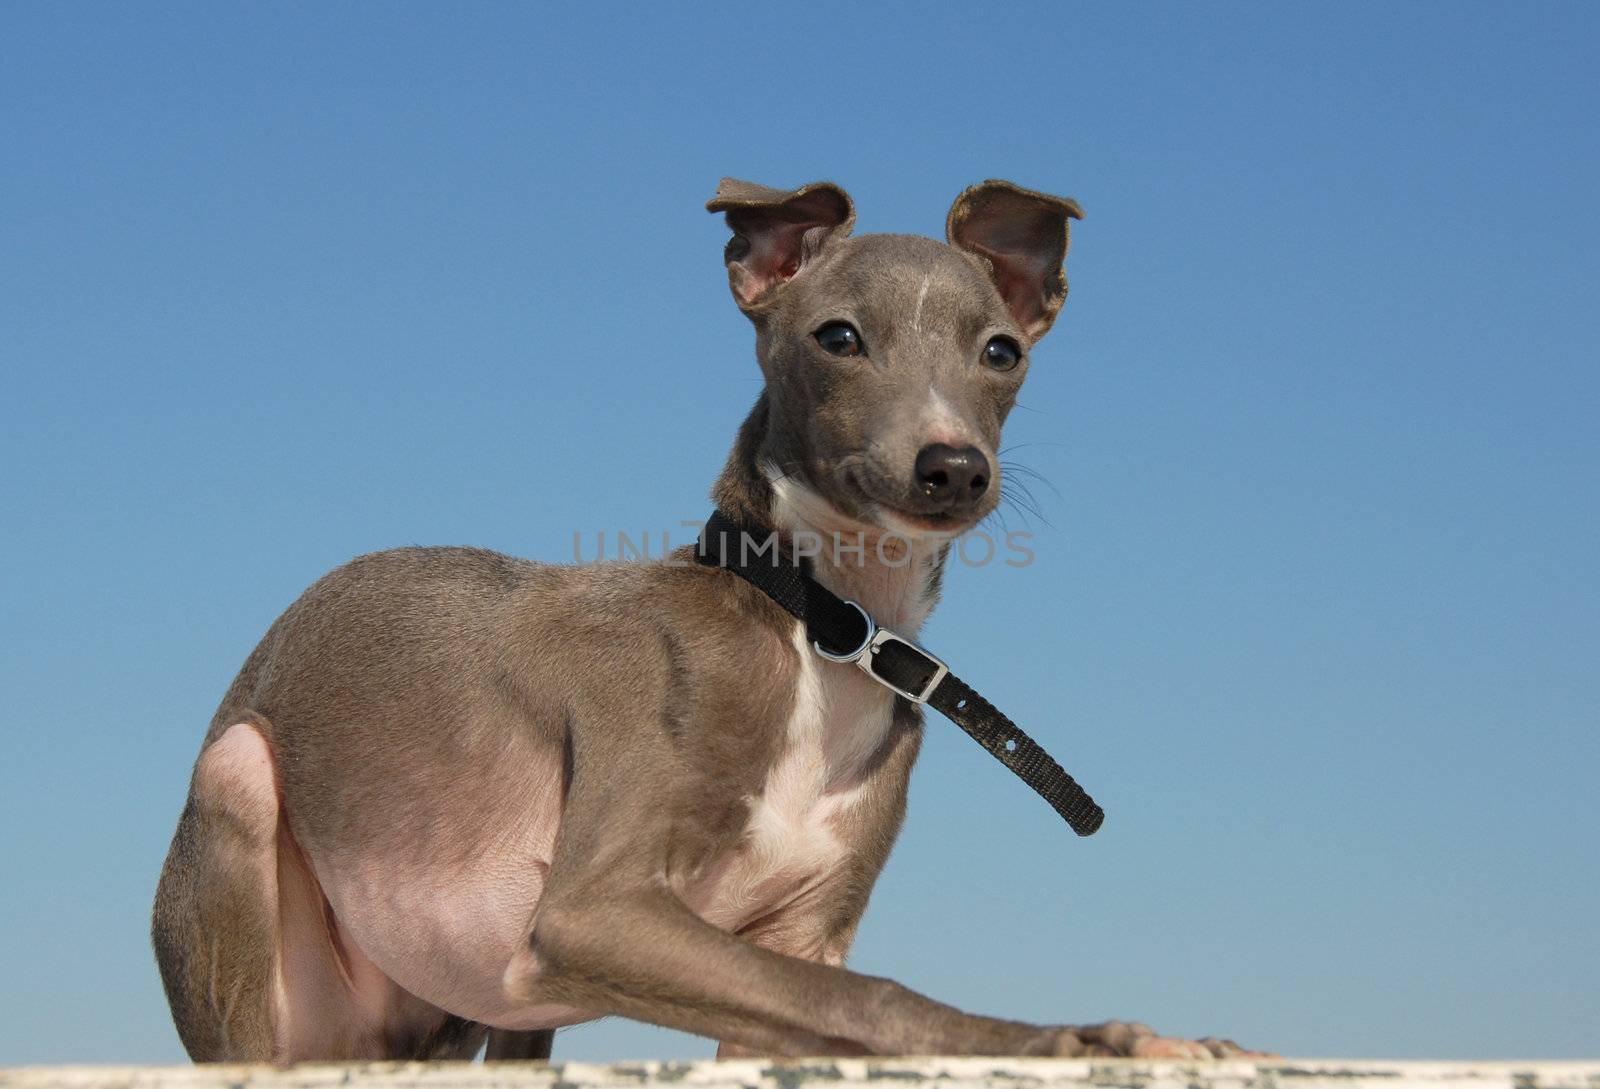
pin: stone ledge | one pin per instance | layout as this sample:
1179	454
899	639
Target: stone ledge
930	1073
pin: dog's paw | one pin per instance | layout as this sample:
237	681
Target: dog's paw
1227	1049
1134	1040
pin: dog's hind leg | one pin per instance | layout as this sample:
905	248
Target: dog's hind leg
505	1045
216	920
255	965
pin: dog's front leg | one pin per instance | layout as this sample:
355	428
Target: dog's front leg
611	935
641	953
821	927
728	1050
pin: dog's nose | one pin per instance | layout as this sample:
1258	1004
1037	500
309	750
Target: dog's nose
952	476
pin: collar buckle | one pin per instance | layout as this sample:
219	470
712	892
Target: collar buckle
902	656
892	660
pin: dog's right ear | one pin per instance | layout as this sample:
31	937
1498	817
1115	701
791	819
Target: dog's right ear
776	233
1021	237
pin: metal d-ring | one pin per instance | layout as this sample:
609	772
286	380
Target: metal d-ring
866	641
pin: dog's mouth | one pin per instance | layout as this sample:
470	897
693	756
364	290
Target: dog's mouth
905	520
937	522
893	510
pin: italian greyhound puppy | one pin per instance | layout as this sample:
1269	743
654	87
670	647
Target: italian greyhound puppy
454	795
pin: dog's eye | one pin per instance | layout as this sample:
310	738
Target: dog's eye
840	338
1001	353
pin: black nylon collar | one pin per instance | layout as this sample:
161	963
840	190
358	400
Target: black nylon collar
842	631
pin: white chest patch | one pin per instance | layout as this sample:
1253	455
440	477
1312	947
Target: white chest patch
791	845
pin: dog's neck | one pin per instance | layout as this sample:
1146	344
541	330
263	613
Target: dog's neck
895	578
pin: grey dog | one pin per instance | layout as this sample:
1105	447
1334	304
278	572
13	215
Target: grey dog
454	795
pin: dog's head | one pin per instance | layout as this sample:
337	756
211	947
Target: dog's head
892	361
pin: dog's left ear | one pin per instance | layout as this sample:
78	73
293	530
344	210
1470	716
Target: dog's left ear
1022	236
777	232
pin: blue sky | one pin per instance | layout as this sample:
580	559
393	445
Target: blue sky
1315	612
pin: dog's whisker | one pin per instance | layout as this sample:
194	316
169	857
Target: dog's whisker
1022	469
1022	492
1024	445
1018	497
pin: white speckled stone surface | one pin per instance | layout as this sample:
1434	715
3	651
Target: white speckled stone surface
912	1073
